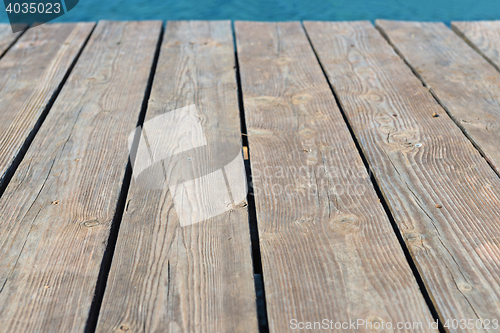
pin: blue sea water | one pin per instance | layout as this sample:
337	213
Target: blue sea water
280	10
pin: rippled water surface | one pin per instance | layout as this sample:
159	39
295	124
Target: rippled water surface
282	10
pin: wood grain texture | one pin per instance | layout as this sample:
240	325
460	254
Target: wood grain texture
7	38
463	82
166	277
328	248
483	36
32	72
443	195
56	213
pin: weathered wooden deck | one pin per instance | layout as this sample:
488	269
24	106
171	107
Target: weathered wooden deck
373	172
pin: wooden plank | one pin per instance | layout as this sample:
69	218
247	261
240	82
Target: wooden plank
32	73
483	36
463	82
328	248
7	38
444	197
57	211
169	274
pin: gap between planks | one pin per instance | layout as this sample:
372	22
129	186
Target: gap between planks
260	289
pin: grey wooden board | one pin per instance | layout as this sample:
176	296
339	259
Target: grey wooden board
483	36
32	71
7	38
56	213
328	248
420	161
465	84
168	275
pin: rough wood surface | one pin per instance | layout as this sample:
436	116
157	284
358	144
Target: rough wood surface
56	212
465	84
483	36
32	72
443	195
7	38
328	248
168	276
